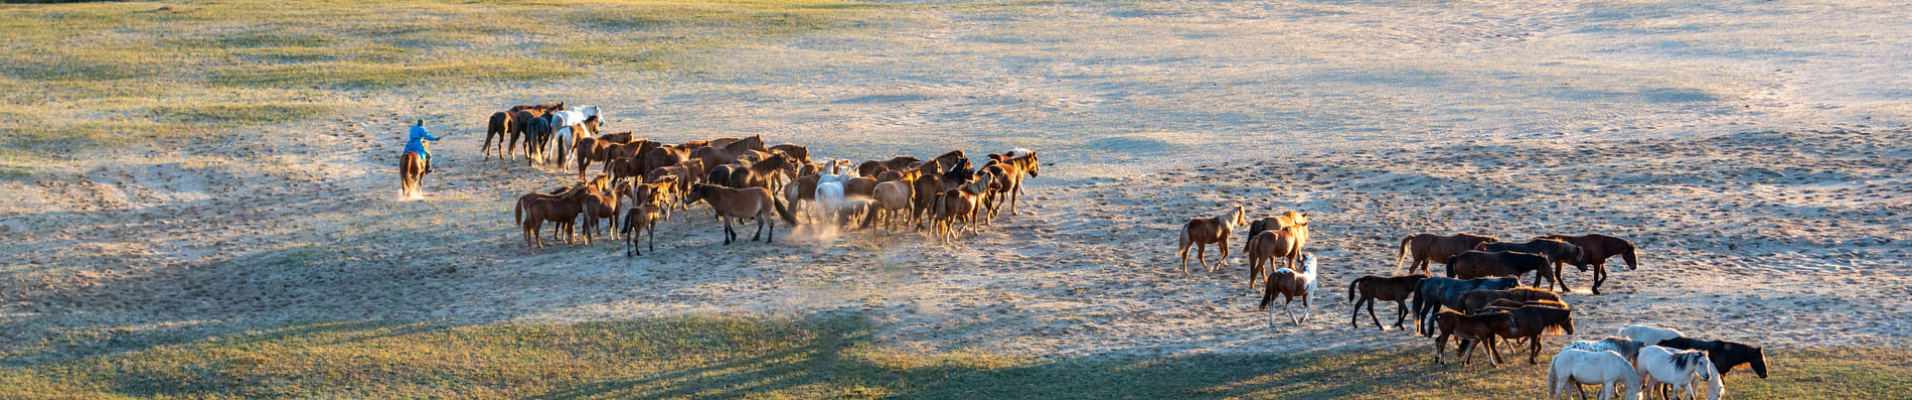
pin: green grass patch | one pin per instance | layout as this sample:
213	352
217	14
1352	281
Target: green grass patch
369	75
800	358
14	172
240	113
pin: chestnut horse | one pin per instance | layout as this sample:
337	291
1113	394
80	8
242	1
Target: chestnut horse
1202	232
754	203
1263	248
1431	248
411	175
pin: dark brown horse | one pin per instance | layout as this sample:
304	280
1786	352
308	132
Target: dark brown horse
763	174
411	175
1598	248
1480	264
875	167
1374	288
797	152
497	127
1471	330
562	209
1475	300
1557	253
1427	248
1531	323
720	154
754	203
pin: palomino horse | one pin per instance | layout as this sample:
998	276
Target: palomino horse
411	175
1431	248
754	203
1202	232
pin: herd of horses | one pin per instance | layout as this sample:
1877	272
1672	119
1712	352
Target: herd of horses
1480	302
641	181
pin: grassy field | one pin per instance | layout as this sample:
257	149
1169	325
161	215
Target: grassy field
142	71
723	357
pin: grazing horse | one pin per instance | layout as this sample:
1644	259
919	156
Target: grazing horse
1373	288
1605	368
1474	300
1432	293
1725	355
1557	252
1470	330
1202	232
1674	370
1290	284
497	127
1262	250
1598	248
1429	248
754	203
1532	323
1650	335
1480	264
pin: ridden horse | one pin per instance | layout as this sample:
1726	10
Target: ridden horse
1290	284
1471	330
497	127
1432	293
1598	248
411	175
1557	252
1202	232
1675	370
1650	335
1725	355
754	203
1262	249
1427	248
1588	367
1373	288
1480	264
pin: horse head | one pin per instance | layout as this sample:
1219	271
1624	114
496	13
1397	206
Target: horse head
1759	362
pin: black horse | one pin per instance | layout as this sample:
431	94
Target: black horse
1432	293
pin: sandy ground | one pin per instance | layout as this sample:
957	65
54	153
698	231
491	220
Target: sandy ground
1755	150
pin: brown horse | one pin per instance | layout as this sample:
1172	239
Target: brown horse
958	206
797	152
1202	232
764	174
1557	253
497	127
1480	264
892	200
1598	248
720	154
1020	162
1373	288
1429	248
1531	323
875	167
562	208
1470	330
1263	248
640	219
754	203
680	179
411	175
619	137
599	206
1295	222
1474	300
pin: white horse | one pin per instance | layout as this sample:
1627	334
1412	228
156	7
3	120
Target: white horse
1647	334
569	121
1604	368
1626	347
1287	282
1683	370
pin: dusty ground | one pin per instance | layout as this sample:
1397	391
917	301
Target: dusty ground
1379	119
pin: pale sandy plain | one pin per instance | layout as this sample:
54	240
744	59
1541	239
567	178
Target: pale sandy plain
1756	150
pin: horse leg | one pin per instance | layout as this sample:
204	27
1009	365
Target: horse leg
1440	350
1377	320
1201	254
1599	277
1287	306
727	233
1354	320
1533	343
1254	270
1224	260
1183	252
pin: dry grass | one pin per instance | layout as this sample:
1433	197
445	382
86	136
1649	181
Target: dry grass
800	358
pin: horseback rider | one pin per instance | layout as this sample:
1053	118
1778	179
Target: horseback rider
417	144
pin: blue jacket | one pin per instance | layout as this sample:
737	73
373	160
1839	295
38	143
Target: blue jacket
415	145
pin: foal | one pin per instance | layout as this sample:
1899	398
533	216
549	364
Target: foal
1291	284
1205	231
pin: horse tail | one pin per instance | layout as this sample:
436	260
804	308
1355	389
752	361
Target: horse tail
783	211
1401	256
517	212
1352	285
1268	295
1450	265
1553	380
